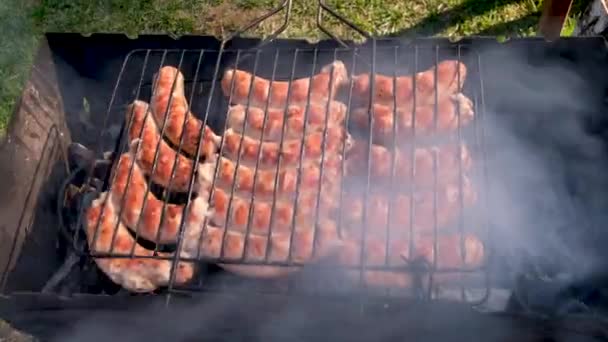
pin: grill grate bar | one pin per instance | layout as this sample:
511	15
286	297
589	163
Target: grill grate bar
257	163
369	166
157	150
221	149
413	155
196	66
353	66
96	234
238	159
299	183
322	163
435	114
463	255
280	160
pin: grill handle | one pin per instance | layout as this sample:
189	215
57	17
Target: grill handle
287	6
553	18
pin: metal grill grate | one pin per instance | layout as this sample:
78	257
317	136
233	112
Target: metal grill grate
202	70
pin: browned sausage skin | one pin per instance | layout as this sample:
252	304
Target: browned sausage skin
316	146
322	87
285	182
451	75
297	116
130	194
393	167
418	208
111	236
450	110
171	109
143	129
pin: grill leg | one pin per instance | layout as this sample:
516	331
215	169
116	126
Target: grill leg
553	18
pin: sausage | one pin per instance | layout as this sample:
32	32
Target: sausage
278	243
277	246
448	72
135	274
448	156
295	115
239	81
262	213
135	190
449	255
130	193
177	113
423	218
285	179
151	142
314	144
382	125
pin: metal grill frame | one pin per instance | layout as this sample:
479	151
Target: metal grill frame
372	48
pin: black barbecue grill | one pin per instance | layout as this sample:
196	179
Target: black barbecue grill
105	73
204	89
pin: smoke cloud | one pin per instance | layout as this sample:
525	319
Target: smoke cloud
545	162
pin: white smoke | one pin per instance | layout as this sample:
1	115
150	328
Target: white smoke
544	165
544	171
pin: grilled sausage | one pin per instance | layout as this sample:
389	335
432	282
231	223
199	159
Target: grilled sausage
240	82
134	274
173	108
151	144
237	218
451	75
129	193
278	243
423	215
285	180
253	120
449	255
381	173
314	145
277	246
448	110
151	228
233	211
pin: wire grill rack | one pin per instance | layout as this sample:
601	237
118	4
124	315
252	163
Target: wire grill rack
202	70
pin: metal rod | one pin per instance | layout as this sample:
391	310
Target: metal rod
463	250
323	151
279	162
115	165
181	139
413	154
343	154
336	15
177	254
303	143
393	162
372	88
435	188
238	158
257	162
221	148
5	272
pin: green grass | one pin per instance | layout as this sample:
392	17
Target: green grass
22	22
